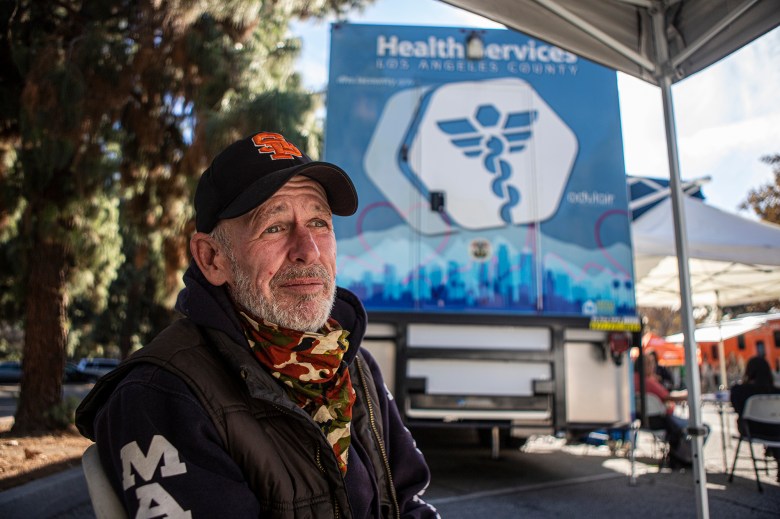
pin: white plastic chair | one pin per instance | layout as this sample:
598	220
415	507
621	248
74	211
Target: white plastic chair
764	409
105	502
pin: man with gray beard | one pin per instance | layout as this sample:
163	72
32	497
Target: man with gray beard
260	401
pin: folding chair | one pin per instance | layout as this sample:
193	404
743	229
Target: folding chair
759	409
105	502
655	410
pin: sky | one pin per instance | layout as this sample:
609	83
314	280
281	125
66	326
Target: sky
727	116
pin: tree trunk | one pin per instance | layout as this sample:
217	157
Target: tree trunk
40	400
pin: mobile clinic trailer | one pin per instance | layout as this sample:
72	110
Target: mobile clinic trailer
492	244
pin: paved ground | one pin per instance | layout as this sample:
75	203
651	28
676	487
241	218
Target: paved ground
547	478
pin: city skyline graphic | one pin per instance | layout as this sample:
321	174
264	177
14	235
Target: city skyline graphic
393	276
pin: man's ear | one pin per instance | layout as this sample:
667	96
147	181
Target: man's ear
211	259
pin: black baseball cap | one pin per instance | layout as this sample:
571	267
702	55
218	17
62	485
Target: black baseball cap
249	172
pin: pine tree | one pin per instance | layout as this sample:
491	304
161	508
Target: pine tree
109	110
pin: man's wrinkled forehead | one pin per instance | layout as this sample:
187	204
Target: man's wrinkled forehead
296	187
303	182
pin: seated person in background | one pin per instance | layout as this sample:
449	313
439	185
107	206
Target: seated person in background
679	446
734	369
757	380
663	375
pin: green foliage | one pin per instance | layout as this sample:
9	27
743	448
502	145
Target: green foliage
11	337
63	414
95	239
12	207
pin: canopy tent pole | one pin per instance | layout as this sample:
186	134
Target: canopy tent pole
724	382
695	427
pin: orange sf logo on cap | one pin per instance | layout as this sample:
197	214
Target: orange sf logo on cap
276	145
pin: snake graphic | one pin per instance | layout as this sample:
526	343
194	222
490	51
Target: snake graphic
514	131
501	168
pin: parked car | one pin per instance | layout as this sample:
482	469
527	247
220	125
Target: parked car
10	371
96	367
73	374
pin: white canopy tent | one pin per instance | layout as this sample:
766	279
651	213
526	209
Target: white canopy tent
732	260
716	332
649	39
660	41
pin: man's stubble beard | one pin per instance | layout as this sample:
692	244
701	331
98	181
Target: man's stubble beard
291	314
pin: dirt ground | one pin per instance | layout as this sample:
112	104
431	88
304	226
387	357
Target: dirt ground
24	459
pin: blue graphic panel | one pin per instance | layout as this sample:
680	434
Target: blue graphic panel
492	185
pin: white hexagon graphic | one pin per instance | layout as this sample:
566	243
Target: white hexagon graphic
495	148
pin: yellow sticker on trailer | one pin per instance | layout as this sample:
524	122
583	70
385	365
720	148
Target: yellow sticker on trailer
616	324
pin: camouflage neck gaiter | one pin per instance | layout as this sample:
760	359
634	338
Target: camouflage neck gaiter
309	366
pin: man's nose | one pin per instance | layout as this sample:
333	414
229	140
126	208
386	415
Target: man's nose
303	248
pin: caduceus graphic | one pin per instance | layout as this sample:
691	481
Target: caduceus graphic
488	138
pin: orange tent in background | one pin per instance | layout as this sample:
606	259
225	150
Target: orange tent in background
668	354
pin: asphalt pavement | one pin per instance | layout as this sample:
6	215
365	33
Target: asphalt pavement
550	479
546	478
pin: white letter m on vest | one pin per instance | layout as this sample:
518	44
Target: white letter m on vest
153	500
132	457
